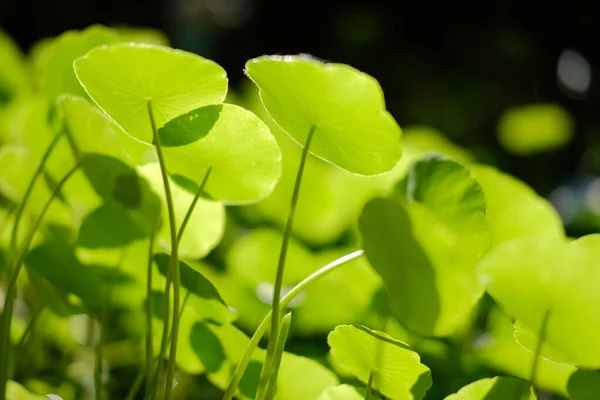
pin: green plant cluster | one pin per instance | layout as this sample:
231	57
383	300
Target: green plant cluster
162	237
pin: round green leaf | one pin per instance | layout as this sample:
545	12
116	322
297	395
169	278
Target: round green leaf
208	347
108	226
513	209
497	388
301	378
56	66
244	156
400	374
535	128
207	222
344	106
584	385
427	243
341	392
521	274
123	78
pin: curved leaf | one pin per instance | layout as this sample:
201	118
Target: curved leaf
427	244
13	75
123	78
400	374
244	156
584	385
346	108
341	392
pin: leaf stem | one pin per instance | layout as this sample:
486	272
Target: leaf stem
278	354
173	269
99	354
11	289
287	233
264	325
538	348
149	313
369	392
192	206
29	190
29	329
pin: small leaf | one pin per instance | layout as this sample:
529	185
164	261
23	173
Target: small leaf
191	279
341	392
427	243
244	156
535	128
399	370
584	385
207	347
352	128
123	78
497	388
13	73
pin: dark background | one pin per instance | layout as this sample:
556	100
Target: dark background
455	69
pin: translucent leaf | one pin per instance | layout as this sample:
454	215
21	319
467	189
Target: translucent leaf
521	274
142	35
399	372
427	243
123	78
535	128
244	155
513	209
341	392
207	222
497	388
314	378
56	66
108	226
14	391
352	128
584	385
207	347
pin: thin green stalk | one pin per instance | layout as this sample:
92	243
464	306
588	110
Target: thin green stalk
369	392
29	190
167	335
278	354
99	354
29	328
137	383
538	349
149	314
173	268
11	289
192	206
264	325
287	233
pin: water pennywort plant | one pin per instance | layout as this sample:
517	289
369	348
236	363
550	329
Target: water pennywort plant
134	194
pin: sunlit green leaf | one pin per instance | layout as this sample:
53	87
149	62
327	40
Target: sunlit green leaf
535	128
108	226
427	243
346	108
142	35
244	156
56	68
584	385
206	224
513	209
208	347
15	391
521	274
123	78
341	392
302	378
497	388
400	374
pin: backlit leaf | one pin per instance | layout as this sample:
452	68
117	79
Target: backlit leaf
497	388
341	392
352	128
123	78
